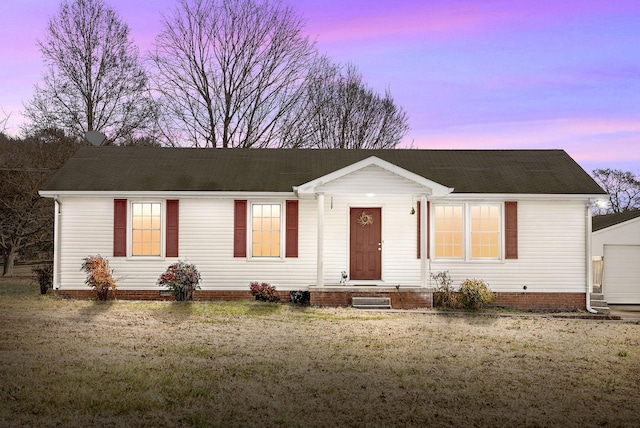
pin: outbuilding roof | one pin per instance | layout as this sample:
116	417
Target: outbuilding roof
279	170
607	220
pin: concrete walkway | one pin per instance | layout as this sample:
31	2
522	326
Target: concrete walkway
626	312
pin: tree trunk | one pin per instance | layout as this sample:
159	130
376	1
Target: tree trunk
8	260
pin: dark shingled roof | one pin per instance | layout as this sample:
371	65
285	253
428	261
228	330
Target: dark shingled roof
603	221
277	170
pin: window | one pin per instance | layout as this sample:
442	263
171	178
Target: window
467	231
449	228
266	226
263	228
146	229
485	232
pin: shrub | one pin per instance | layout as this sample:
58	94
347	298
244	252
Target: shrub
264	292
43	275
475	294
182	279
99	276
446	296
300	297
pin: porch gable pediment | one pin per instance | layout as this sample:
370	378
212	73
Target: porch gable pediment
414	181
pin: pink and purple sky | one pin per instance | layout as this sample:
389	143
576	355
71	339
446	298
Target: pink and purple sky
499	74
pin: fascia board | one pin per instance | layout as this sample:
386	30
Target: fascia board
185	194
523	196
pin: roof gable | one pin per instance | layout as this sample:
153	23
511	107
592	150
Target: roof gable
427	186
150	169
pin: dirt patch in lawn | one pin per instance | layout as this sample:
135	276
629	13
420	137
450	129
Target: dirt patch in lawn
65	362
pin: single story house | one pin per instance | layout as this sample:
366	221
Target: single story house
297	219
616	244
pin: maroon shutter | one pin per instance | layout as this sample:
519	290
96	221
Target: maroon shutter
511	230
240	229
419	227
172	228
291	249
119	228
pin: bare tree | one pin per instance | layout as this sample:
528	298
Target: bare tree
623	188
338	110
4	119
26	219
94	79
230	70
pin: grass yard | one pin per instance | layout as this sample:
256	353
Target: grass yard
85	363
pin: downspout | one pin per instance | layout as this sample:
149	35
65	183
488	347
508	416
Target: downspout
588	264
320	241
424	244
56	243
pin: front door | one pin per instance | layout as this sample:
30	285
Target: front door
366	243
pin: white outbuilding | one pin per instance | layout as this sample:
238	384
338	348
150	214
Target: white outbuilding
616	240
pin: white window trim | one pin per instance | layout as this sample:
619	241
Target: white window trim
466	232
163	215
283	216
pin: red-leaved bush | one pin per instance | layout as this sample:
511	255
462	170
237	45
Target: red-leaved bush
264	292
182	279
99	275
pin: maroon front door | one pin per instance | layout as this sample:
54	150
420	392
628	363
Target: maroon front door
366	243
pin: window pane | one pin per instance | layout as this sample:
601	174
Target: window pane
485	231
146	230
449	227
266	230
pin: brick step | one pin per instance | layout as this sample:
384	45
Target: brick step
371	302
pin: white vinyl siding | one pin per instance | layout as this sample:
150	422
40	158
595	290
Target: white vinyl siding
626	233
551	238
372	180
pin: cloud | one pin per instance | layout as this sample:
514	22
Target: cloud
451	20
586	139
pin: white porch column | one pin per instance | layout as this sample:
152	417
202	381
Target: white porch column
424	245
320	239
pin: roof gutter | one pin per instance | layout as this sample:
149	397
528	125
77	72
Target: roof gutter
587	250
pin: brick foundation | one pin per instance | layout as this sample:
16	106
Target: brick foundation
411	299
202	295
542	302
